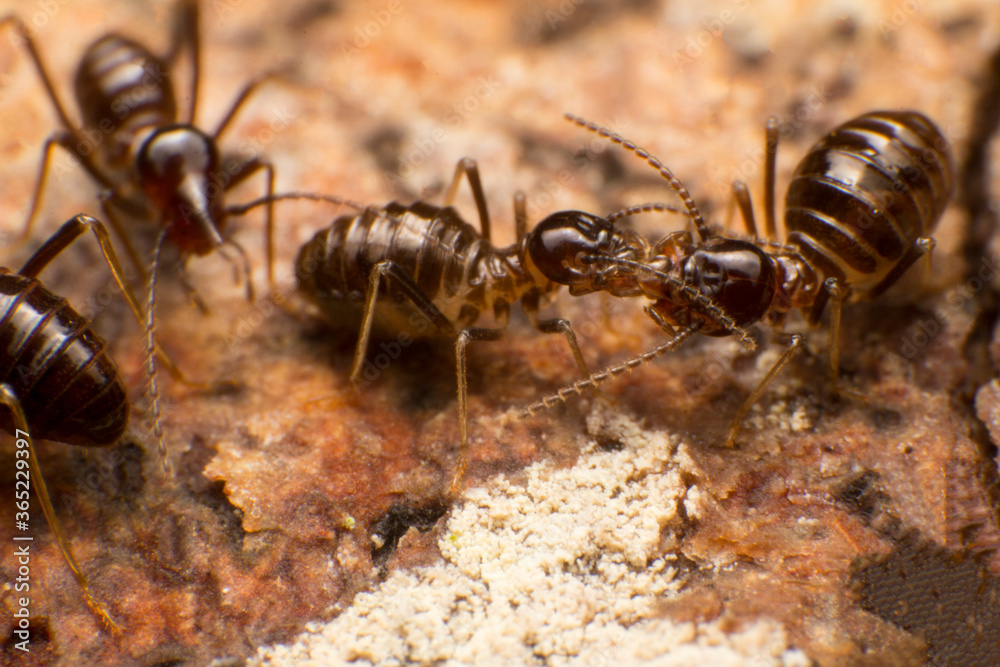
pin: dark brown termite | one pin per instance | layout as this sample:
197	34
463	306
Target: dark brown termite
152	163
857	214
56	378
420	270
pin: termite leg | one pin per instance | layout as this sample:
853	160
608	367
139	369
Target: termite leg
464	338
794	343
9	399
189	289
384	270
920	247
470	169
520	214
741	195
530	305
186	31
832	286
108	201
770	176
68	137
246	170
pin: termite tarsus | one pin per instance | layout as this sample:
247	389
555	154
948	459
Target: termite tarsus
858	211
56	378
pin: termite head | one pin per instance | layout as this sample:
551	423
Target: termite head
567	248
723	283
177	168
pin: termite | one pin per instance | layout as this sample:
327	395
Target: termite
858	213
56	378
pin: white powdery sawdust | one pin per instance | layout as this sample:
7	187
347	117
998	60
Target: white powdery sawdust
562	570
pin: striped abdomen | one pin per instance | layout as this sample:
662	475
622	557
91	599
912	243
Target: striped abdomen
865	192
447	258
122	88
68	386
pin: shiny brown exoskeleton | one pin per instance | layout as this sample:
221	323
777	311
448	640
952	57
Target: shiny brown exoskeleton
421	270
857	213
56	379
152	163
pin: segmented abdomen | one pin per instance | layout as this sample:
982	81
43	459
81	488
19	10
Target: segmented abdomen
121	88
865	192
57	366
442	253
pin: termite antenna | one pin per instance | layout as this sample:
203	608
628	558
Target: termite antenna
711	308
240	209
642	208
601	377
704	233
154	390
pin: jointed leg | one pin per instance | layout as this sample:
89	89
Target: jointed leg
561	326
69	232
831	292
64	139
10	400
770	167
920	247
69	138
57	139
388	269
530	304
380	272
189	288
469	167
741	195
187	31
794	343
36	57
244	265
520	215
108	211
246	170
464	337
832	286
241	99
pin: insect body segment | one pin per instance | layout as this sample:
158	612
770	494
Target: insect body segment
856	213
864	194
121	93
52	359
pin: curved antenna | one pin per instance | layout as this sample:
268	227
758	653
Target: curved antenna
642	208
607	374
704	233
690	293
240	209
